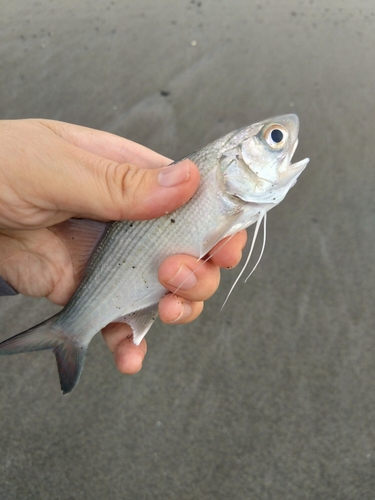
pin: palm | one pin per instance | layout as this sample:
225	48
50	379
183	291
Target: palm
37	263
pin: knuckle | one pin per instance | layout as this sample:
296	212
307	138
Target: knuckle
124	182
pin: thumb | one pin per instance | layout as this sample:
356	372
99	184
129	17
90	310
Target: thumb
60	171
97	188
124	191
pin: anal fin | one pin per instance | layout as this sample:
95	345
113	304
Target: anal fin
140	321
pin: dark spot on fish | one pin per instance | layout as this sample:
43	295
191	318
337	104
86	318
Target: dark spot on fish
133	267
293	13
164	93
130	225
173	221
315	220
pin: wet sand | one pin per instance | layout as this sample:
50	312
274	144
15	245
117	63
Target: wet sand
274	396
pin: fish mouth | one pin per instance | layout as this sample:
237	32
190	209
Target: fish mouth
299	165
295	169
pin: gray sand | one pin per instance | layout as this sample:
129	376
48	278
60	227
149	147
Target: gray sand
274	396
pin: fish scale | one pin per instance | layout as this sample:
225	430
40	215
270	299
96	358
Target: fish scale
243	175
134	259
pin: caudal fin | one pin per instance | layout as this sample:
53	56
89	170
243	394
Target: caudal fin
70	355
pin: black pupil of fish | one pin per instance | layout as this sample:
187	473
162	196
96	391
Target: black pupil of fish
277	136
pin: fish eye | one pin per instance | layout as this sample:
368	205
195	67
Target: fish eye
275	136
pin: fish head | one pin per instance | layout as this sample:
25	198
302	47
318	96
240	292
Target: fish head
256	160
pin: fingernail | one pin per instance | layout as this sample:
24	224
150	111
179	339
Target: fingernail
174	174
186	311
184	279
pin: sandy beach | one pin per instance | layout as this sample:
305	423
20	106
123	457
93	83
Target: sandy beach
272	398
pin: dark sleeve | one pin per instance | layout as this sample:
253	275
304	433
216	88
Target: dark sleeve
6	289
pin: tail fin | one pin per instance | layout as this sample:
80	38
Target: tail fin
70	355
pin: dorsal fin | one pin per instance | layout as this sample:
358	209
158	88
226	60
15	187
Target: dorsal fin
81	237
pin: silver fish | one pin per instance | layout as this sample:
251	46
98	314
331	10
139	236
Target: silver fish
243	175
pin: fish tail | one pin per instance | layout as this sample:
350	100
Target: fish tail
70	354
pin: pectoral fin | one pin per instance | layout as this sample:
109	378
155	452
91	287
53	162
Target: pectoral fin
217	234
140	321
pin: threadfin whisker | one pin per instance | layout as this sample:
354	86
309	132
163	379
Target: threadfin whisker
262	216
263	245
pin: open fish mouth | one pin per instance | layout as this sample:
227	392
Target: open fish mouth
295	169
299	165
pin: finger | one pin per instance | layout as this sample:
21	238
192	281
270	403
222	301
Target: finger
188	277
228	252
108	145
128	357
177	310
147	193
131	193
36	263
58	175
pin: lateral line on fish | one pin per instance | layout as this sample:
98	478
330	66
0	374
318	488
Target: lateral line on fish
262	217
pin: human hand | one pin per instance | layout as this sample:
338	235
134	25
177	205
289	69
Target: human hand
51	171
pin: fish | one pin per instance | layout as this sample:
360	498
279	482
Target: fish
243	175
